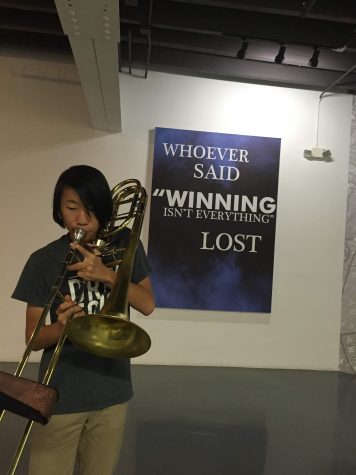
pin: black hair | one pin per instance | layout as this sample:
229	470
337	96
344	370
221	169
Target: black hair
92	188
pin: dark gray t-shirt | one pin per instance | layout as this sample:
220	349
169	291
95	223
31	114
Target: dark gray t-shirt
85	382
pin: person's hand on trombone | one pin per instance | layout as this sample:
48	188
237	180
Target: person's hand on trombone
68	309
92	267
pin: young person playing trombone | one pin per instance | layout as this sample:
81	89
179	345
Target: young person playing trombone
88	422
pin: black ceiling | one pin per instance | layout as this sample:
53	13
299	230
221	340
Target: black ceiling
226	39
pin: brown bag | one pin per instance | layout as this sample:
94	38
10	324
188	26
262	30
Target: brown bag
26	398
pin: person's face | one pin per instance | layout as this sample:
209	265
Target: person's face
75	215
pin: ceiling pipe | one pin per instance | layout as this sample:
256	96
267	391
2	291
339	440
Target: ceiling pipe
130	51
148	52
149	42
306	7
338	80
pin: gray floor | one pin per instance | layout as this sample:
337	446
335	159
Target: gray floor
229	421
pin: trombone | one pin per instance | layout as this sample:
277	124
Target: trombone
109	333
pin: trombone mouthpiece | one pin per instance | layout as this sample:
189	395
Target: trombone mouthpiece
78	235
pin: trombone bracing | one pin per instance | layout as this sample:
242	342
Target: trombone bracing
109	334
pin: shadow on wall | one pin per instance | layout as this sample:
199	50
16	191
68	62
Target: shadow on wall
42	106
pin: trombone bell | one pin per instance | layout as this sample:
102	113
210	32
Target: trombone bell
110	336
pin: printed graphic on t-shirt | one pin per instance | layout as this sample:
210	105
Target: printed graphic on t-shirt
92	294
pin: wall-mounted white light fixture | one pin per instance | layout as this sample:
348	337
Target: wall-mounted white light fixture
318	153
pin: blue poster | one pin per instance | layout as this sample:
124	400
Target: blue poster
212	220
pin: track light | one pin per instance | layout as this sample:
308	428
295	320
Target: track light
314	60
280	56
242	51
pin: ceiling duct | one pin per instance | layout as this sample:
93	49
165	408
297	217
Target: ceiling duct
93	30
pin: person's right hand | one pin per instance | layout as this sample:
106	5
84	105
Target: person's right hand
68	309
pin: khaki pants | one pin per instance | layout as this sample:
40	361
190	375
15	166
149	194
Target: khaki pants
95	437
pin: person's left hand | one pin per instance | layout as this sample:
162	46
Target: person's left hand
91	267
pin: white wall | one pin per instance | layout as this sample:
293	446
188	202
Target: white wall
45	128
